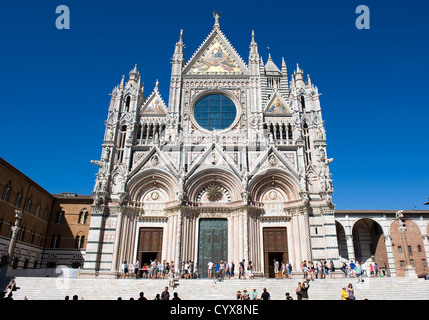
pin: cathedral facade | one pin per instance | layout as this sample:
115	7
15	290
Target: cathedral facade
232	166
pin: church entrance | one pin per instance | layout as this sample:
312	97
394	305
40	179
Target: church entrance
150	245
212	243
275	247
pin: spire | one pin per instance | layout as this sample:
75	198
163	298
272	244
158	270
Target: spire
271	68
134	74
216	16
179	44
181	37
299	76
284	67
121	85
156	85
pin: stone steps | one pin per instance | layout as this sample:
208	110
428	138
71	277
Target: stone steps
50	288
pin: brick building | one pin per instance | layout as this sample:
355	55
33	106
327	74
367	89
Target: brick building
53	228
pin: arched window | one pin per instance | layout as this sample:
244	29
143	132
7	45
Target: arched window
59	216
307	146
45	214
85	217
127	104
121	143
303	103
38	209
55	242
82	242
29	203
7	190
18	199
77	242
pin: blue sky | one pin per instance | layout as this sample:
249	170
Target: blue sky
54	83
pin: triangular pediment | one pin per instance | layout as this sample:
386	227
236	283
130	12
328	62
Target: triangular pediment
216	56
272	158
154	106
277	106
212	157
153	158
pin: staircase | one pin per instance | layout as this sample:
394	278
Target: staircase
50	288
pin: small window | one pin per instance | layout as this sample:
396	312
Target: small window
127	104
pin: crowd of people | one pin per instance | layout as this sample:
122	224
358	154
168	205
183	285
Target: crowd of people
159	270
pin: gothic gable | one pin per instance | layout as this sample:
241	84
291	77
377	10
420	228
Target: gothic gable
216	56
277	106
154	105
213	156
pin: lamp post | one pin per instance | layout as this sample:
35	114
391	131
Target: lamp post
409	269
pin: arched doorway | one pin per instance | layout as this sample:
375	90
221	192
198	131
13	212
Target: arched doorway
342	241
368	243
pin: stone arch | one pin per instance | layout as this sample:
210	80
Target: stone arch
227	181
342	240
273	179
368	242
140	186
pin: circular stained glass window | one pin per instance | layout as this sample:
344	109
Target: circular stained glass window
215	112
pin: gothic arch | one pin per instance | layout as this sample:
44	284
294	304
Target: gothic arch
224	178
273	178
151	179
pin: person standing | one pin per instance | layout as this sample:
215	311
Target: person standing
276	268
304	290
350	292
136	268
216	270
242	274
265	295
250	268
210	269
331	269
231	269
165	295
171	278
124	269
298	291
352	269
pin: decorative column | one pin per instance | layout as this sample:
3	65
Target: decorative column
410	271
350	247
178	258
390	257
115	264
15	229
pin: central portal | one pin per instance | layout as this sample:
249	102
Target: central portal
212	243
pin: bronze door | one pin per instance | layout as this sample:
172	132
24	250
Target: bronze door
212	243
275	247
